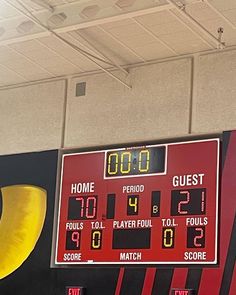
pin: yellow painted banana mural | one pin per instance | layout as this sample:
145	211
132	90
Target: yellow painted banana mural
23	215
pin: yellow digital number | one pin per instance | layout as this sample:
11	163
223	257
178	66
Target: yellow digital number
145	154
133	203
96	239
123	155
115	167
168	238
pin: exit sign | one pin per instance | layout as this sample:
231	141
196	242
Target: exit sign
74	290
182	292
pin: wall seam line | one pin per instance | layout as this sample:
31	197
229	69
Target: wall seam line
63	131
193	90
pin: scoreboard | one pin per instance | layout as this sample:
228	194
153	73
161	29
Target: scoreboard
150	204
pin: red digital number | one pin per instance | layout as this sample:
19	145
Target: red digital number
75	237
199	236
184	202
91	203
82	206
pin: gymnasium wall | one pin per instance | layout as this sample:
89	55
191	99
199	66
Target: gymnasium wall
168	99
173	98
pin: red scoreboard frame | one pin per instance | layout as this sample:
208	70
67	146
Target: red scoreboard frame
153	204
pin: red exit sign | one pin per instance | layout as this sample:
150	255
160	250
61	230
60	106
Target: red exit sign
182	292
74	291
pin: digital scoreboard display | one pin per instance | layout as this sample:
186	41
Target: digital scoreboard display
154	204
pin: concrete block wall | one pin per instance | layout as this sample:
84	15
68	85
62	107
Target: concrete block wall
156	106
31	117
168	99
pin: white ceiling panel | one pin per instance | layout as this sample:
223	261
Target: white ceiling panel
26	46
10	76
230	15
201	11
6	54
131	29
35	76
137	40
223	5
179	37
151	50
115	24
112	45
153	19
193	47
18	64
7	11
169	28
31	72
66	53
57	2
68	37
61	69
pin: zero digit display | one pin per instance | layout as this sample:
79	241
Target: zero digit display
168	238
96	239
154	204
137	161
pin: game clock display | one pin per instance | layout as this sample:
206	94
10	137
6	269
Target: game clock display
154	204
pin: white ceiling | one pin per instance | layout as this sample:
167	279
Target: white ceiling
42	39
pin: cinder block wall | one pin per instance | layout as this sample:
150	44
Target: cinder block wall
168	99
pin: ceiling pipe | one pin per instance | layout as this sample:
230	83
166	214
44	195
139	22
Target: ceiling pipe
95	49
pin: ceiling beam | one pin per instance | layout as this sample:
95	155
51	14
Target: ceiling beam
120	17
86	24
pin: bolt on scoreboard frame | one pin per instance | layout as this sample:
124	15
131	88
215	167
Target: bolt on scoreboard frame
149	204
